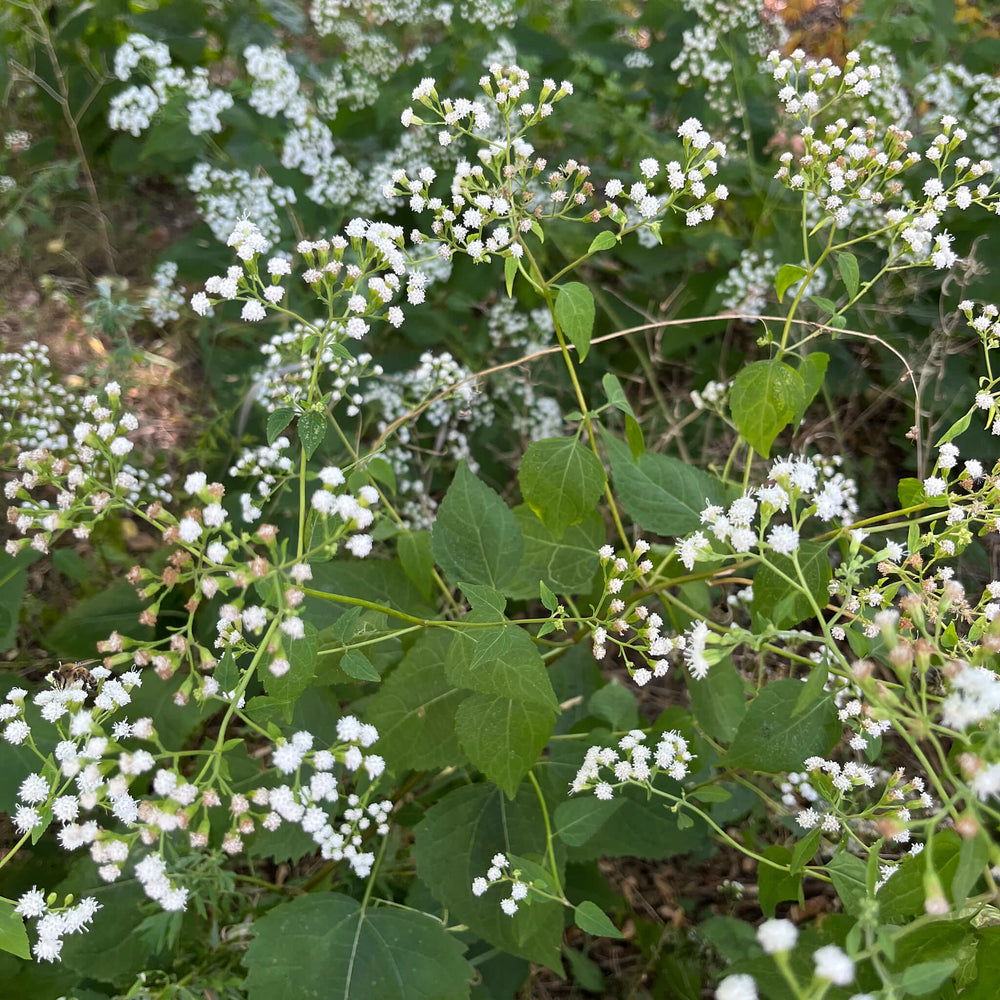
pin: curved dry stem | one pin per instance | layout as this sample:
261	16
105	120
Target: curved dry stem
656	325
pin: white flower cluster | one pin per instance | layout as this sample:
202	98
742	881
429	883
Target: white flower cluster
88	473
16	140
267	465
799	487
448	421
795	785
477	202
849	170
973	698
972	97
163	301
368	283
866	86
134	109
987	326
620	620
415	151
291	360
835	784
866	729
36	409
684	182
749	286
704	63
53	923
496	874
353	511
151	874
275	89
634	630
712	396
94	770
493	15
637	764
306	802
227	196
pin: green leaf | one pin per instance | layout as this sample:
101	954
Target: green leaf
475	536
66	561
517	671
414	709
812	689
509	273
503	737
805	849
785	605
616	394
918	980
492	644
577	820
13	936
827	305
454	843
787	275
718	700
561	481
312	431
575	315
549	600
326	945
972	862
589	917
345	627
812	370
849	876
847	263
301	656
640	829
602	241
911	494
987	971
531	871
355	664
380	470
774	885
711	793
414	550
960	426
633	434
566	566
77	632
770	739
227	673
585	972
13	579
765	397
615	704
940	940
485	599
277	421
663	494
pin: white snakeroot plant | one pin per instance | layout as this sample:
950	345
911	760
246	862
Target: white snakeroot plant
271	603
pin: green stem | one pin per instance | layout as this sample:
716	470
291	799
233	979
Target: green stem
554	871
